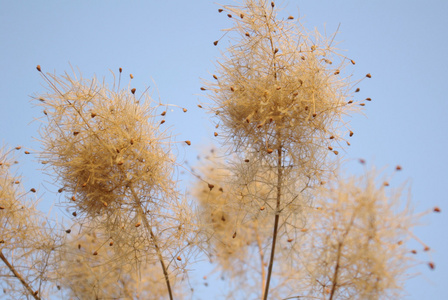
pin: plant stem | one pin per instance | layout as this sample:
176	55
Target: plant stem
260	251
16	274
154	240
277	217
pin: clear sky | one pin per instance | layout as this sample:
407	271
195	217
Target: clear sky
169	45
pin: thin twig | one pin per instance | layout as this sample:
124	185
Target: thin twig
16	274
154	240
277	216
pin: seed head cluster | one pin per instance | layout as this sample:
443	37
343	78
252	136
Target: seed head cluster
356	246
103	145
278	87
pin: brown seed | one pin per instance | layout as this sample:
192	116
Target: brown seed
275	50
68	230
290	18
33	190
314	115
368	75
133	91
426	249
330	148
163	113
132	141
232	89
279	88
202	88
362	161
38	68
120	70
18	147
161	122
200	106
2	207
229	15
386	183
234	235
350	102
362	104
138	224
75	133
351	133
16	182
272	4
246	160
398	168
247	34
26	152
432	265
220	10
369	99
132	76
304	230
120	163
331	137
179	258
216	77
437	209
216	134
211	186
242	16
348	144
270	150
45	112
302	57
95	253
74	214
357	90
188	143
93	115
352	61
262	208
335	152
73	198
290	240
414	252
337	72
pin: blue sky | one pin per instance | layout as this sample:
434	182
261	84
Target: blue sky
169	46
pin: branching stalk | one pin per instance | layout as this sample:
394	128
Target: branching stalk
277	217
154	240
16	274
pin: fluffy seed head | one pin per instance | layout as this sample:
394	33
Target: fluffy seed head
99	159
293	92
